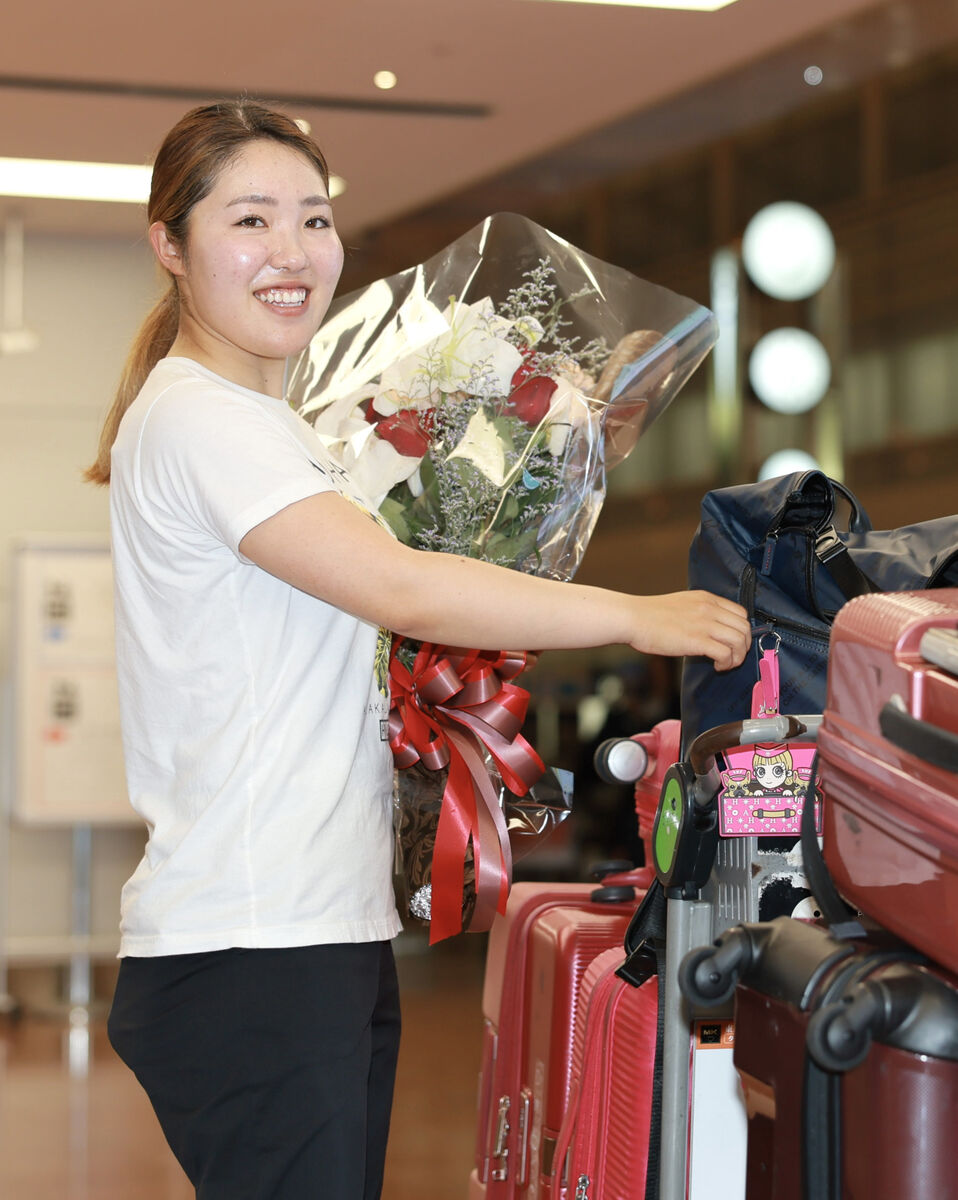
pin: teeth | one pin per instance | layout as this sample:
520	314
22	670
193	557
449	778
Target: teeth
289	296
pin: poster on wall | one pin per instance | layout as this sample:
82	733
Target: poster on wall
68	759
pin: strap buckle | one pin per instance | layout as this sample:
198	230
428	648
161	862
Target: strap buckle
828	544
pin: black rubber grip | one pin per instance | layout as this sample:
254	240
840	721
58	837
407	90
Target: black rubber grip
933	745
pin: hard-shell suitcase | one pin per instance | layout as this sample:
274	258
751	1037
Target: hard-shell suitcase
537	955
603	1145
848	1054
889	764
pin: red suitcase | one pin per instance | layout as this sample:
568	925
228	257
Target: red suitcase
848	1055
537	956
889	764
603	1146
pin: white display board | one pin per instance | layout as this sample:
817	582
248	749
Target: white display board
67	752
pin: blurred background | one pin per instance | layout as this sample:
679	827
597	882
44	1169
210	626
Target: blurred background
647	137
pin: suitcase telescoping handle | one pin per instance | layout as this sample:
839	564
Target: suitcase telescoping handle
707	745
940	646
930	743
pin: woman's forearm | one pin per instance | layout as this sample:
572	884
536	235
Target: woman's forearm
325	546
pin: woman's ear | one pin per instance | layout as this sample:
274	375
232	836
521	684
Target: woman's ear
166	249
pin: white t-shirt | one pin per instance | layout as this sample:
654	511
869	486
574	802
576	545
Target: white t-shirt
253	714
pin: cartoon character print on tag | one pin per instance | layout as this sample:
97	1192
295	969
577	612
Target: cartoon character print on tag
764	790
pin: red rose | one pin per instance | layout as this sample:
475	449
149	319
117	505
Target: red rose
408	431
531	395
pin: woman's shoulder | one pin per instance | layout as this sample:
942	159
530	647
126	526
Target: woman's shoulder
180	397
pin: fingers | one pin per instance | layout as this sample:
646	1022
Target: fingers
693	623
728	633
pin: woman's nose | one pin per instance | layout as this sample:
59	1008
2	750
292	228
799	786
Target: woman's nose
289	253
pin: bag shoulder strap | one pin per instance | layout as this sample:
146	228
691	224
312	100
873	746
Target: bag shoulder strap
833	554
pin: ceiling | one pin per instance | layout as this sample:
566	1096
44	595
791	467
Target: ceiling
486	87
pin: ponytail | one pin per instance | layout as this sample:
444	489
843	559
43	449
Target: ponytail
152	343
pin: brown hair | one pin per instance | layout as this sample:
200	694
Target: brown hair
194	152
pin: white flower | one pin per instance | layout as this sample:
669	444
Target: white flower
471	355
529	329
481	445
570	369
569	408
374	465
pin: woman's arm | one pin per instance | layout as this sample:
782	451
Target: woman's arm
326	546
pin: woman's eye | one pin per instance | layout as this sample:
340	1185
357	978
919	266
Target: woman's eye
251	222
318	223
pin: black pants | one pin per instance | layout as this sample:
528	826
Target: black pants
271	1071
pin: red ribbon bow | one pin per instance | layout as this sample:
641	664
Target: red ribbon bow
453	705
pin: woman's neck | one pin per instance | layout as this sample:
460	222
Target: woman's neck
265	375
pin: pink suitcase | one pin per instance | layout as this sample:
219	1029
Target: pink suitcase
603	1145
538	953
889	764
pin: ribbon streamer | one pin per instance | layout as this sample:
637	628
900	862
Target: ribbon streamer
453	706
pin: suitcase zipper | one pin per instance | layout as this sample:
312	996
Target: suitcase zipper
582	1187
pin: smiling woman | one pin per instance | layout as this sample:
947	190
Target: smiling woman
254	595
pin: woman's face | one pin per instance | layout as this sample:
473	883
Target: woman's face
260	266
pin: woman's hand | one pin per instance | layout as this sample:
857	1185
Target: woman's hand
694	624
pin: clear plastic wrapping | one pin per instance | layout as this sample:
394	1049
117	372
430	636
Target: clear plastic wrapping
478	401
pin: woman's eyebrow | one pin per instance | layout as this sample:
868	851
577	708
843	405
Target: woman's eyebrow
253	198
257	198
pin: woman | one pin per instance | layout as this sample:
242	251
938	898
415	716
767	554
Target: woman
256	999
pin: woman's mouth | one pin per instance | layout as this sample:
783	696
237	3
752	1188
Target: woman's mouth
283	297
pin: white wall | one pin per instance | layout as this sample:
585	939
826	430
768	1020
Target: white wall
85	299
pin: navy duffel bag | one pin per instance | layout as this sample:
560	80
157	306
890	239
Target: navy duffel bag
778	548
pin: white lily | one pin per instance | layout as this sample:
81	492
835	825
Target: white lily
374	465
482	445
472	353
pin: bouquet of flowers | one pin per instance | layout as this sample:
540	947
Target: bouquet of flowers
478	400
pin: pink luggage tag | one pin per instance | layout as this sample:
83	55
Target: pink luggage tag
763	784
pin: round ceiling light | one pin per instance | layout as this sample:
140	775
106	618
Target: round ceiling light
789	370
788	250
785	462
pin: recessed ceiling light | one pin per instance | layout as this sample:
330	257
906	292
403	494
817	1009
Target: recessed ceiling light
687	5
385	80
46	178
120	183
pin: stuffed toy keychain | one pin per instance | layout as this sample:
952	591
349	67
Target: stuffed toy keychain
764	783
